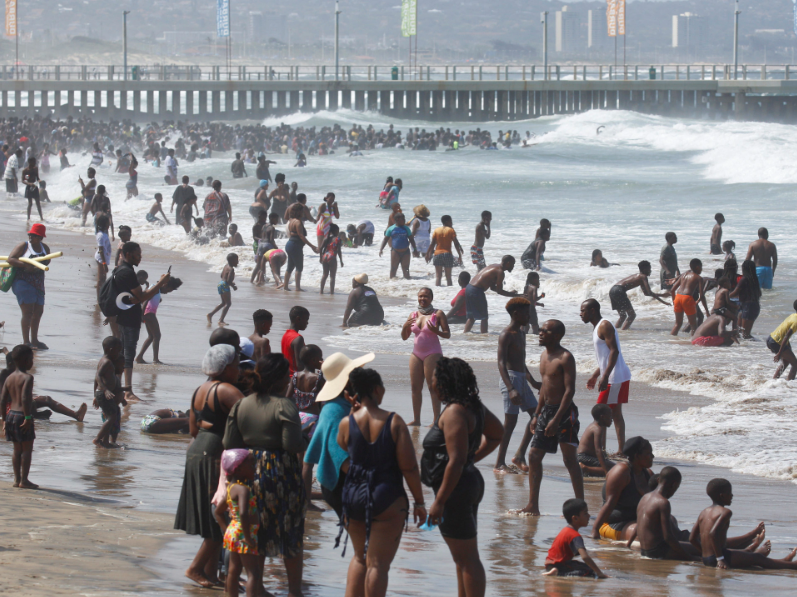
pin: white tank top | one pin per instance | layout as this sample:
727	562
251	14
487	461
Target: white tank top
621	372
31	252
424	230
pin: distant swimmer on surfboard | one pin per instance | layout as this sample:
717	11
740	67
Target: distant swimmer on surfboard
600	130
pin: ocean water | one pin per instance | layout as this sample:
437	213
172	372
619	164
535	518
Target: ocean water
619	191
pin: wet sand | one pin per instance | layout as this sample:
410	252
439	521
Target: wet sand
144	478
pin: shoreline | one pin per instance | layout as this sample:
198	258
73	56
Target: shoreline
66	370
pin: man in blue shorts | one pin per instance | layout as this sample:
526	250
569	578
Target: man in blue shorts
765	255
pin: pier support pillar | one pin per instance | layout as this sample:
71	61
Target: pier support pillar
189	105
307	101
203	105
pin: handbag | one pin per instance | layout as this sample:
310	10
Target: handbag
7	278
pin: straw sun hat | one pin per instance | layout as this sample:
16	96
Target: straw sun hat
336	371
421	211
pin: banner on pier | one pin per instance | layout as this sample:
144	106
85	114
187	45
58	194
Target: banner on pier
795	16
11	18
222	18
620	17
611	17
409	17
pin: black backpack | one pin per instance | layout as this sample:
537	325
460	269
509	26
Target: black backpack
108	294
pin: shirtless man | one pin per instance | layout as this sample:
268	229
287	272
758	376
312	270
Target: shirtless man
514	380
684	288
491	277
716	235
765	255
712	332
619	294
656	529
263	320
722	300
556	418
482	233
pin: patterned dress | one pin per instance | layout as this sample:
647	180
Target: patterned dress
234	537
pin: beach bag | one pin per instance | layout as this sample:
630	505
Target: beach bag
7	278
108	294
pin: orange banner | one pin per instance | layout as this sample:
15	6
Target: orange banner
620	17
611	17
11	18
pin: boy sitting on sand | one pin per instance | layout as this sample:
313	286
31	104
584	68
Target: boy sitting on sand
235	240
227	282
108	392
592	448
569	543
710	536
17	396
157	208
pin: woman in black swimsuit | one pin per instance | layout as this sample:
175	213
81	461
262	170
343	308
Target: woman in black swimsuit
207	418
626	483
375	506
464	433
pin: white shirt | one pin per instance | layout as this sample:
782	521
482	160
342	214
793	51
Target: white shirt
12	165
621	373
171	166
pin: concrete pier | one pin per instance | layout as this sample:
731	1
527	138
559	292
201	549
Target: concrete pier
434	101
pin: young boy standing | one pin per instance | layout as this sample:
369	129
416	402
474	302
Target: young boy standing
292	340
716	235
17	394
592	447
227	282
514	380
108	391
710	536
569	543
263	320
482	233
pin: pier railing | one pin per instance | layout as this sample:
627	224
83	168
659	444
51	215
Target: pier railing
468	72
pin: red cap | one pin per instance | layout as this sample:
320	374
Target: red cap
38	230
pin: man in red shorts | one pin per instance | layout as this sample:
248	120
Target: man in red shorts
612	377
683	290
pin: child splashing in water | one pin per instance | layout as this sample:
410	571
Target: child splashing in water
330	253
240	536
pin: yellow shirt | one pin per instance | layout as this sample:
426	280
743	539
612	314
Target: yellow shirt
444	237
790	323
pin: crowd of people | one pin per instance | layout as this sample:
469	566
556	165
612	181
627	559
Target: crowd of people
266	421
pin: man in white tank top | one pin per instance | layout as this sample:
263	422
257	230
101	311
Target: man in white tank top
613	377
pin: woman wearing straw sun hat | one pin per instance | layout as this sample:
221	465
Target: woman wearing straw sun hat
363	306
28	285
421	228
332	460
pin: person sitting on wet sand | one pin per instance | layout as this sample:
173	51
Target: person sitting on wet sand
713	333
710	537
40	403
598	260
165	420
592	448
16	410
722	299
656	529
625	485
569	543
618	294
362	307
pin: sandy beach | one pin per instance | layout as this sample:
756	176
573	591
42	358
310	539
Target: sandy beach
103	521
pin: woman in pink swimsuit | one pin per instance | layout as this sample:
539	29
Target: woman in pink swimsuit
429	325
